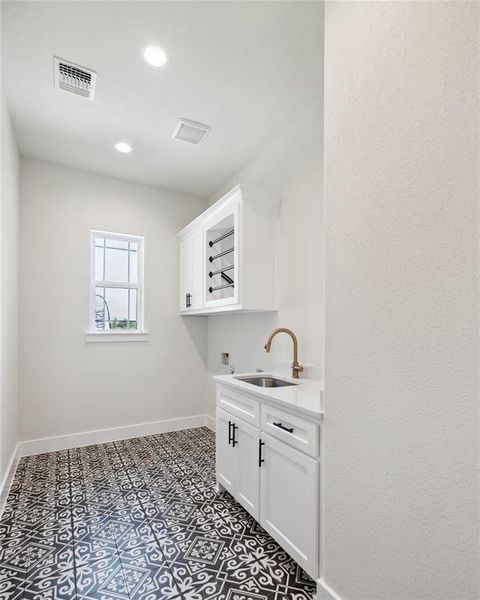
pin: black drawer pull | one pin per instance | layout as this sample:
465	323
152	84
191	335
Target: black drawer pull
260	459
280	426
230	438
234	440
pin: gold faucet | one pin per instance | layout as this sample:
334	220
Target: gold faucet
296	367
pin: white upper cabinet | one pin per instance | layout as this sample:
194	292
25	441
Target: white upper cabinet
191	272
228	255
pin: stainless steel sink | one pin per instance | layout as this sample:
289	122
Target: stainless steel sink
266	382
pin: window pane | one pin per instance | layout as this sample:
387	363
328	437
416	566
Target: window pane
116	265
99	275
133	305
113	243
101	313
116	261
113	310
117	301
133	266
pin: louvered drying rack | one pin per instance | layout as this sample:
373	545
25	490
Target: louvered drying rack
222	271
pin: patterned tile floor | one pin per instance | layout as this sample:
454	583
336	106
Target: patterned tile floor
136	520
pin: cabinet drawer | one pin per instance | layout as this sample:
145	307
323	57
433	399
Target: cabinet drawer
292	429
240	405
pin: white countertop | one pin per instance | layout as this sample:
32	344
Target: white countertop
306	396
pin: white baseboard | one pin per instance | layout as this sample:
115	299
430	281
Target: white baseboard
101	436
325	592
210	422
8	478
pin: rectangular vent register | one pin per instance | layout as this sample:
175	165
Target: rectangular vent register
74	78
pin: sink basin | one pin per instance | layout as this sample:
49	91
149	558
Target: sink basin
266	382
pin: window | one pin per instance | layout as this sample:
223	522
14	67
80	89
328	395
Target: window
116	305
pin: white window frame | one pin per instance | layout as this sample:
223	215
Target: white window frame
118	335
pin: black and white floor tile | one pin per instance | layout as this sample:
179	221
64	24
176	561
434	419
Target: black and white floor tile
137	520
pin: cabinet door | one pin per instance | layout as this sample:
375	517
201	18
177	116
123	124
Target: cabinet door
185	274
246	441
227	457
197	266
289	501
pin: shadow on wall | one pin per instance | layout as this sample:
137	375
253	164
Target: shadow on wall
197	330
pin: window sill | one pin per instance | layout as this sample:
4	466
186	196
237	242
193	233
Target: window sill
116	336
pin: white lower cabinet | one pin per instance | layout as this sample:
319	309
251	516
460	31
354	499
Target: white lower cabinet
289	501
237	460
276	483
248	482
226	458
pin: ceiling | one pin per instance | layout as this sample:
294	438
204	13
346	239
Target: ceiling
248	69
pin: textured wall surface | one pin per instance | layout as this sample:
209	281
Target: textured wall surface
68	385
401	214
8	292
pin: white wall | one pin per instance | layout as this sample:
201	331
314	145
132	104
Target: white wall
401	355
292	166
8	292
68	385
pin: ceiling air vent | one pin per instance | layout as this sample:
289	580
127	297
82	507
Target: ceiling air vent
191	131
74	78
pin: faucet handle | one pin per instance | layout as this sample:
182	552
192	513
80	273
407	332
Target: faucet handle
296	369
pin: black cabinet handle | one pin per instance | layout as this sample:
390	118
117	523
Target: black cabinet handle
260	459
188	300
234	440
230	438
280	426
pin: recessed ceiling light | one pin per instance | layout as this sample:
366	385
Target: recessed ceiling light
154	56
123	147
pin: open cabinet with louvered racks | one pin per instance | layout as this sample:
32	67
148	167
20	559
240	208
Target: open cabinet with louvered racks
234	267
